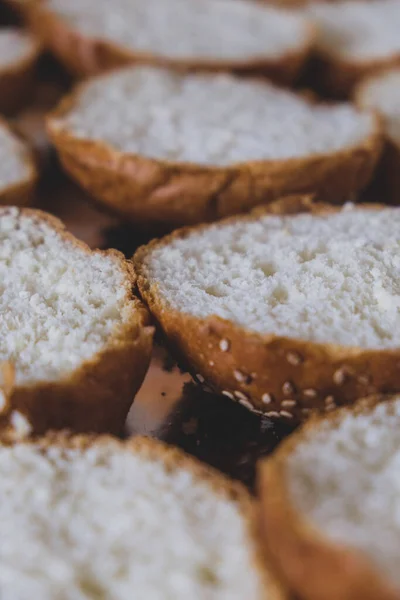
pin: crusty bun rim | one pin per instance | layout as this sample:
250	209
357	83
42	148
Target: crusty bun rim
286	206
69	102
36	10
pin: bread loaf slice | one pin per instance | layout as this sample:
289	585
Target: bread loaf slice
18	173
70	325
381	92
285	313
181	149
119	520
19	52
355	38
243	35
330	504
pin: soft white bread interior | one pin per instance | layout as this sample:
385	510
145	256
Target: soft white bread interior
354	38
19	52
329	278
16	47
65	312
181	149
358	30
285	313
214	120
97	518
210	32
381	92
17	168
336	489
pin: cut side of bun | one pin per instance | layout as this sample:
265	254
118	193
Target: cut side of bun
129	519
19	52
381	92
288	310
76	336
211	35
329	504
355	38
183	149
18	172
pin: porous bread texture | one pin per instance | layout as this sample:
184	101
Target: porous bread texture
16	166
357	30
119	521
213	120
382	93
211	30
329	278
15	46
59	303
342	476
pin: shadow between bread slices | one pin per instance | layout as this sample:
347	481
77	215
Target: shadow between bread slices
158	192
95	392
312	562
84	55
273	375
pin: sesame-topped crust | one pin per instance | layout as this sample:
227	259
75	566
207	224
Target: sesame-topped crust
95	395
273	375
329	570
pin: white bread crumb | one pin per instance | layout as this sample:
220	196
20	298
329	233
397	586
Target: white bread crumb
382	93
108	523
15	160
331	278
344	478
358	30
208	119
15	46
59	304
188	29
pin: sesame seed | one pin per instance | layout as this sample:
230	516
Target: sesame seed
294	358
238	375
224	345
200	378
228	394
240	395
266	398
211	363
288	403
330	400
272	414
310	393
340	376
285	413
287	388
247	404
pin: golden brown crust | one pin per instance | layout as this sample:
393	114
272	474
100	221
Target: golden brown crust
16	82
21	193
176	459
158	192
96	396
269	374
313	566
84	56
